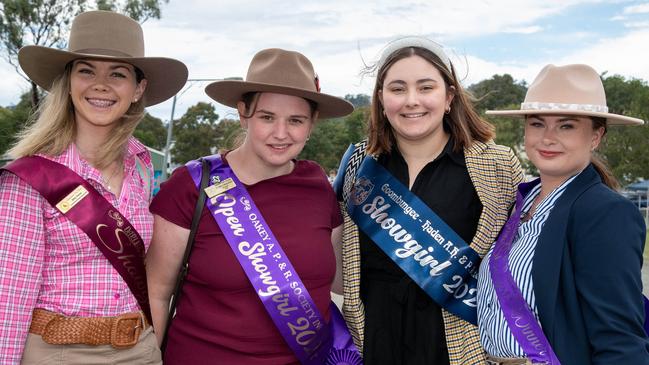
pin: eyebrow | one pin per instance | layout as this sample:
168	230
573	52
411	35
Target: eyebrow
290	116
114	67
420	81
567	118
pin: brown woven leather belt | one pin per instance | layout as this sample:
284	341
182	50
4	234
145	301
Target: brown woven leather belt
120	332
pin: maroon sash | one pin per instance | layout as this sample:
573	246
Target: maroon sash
75	198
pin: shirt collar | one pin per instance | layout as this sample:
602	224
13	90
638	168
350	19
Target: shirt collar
72	159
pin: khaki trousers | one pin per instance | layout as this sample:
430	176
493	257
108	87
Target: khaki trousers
145	352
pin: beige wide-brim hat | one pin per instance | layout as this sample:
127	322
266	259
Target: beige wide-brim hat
279	71
109	36
567	90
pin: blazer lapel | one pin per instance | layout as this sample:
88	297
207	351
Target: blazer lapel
552	247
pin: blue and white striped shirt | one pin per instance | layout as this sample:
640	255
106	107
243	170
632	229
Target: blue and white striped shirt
495	336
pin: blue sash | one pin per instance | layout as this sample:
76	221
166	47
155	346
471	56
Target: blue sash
415	238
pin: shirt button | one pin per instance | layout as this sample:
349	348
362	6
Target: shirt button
116	296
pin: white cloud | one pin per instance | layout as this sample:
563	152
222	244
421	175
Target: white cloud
12	85
524	30
637	9
217	40
643	24
613	55
623	55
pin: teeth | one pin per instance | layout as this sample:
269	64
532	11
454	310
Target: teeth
279	146
417	115
102	103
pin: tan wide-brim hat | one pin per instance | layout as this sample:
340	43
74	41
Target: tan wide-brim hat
279	71
109	36
567	90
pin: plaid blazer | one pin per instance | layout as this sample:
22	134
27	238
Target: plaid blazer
496	173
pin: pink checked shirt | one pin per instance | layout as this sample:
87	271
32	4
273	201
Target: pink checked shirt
47	262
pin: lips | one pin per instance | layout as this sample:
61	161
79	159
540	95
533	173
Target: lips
548	154
413	115
279	147
100	103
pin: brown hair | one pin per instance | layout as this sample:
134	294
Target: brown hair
463	123
599	163
251	99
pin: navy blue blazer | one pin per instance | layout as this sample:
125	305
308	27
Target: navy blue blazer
587	276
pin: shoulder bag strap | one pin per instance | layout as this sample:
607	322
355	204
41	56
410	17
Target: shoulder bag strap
184	268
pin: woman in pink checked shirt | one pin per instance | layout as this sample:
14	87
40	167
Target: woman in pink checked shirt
72	289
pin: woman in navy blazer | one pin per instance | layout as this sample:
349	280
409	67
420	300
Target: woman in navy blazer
575	256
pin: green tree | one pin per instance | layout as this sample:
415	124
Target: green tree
13	120
152	132
141	10
625	148
358	100
39	22
195	133
497	93
331	137
229	134
47	23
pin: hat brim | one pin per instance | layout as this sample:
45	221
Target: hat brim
611	119
165	76
230	92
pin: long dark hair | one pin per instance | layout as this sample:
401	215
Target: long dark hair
463	122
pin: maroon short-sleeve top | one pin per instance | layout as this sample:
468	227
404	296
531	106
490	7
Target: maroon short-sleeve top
220	319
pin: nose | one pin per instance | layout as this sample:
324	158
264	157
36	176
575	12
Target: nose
281	129
412	99
549	135
101	83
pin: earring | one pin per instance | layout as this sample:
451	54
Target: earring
135	100
448	110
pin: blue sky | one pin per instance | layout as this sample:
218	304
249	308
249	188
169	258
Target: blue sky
483	37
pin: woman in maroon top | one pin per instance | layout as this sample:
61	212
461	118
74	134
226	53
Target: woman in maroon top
220	319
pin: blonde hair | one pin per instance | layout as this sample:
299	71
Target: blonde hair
52	128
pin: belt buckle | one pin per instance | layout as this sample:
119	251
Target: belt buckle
137	330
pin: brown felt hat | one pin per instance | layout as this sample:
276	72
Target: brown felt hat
567	90
109	36
279	71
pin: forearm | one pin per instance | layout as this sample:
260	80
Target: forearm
159	312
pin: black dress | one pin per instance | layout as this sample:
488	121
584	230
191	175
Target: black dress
403	325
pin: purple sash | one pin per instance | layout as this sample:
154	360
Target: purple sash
520	319
271	274
75	198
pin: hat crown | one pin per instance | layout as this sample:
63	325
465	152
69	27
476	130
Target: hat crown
282	68
571	84
106	33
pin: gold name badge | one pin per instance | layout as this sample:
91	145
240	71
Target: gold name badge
72	199
219	188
